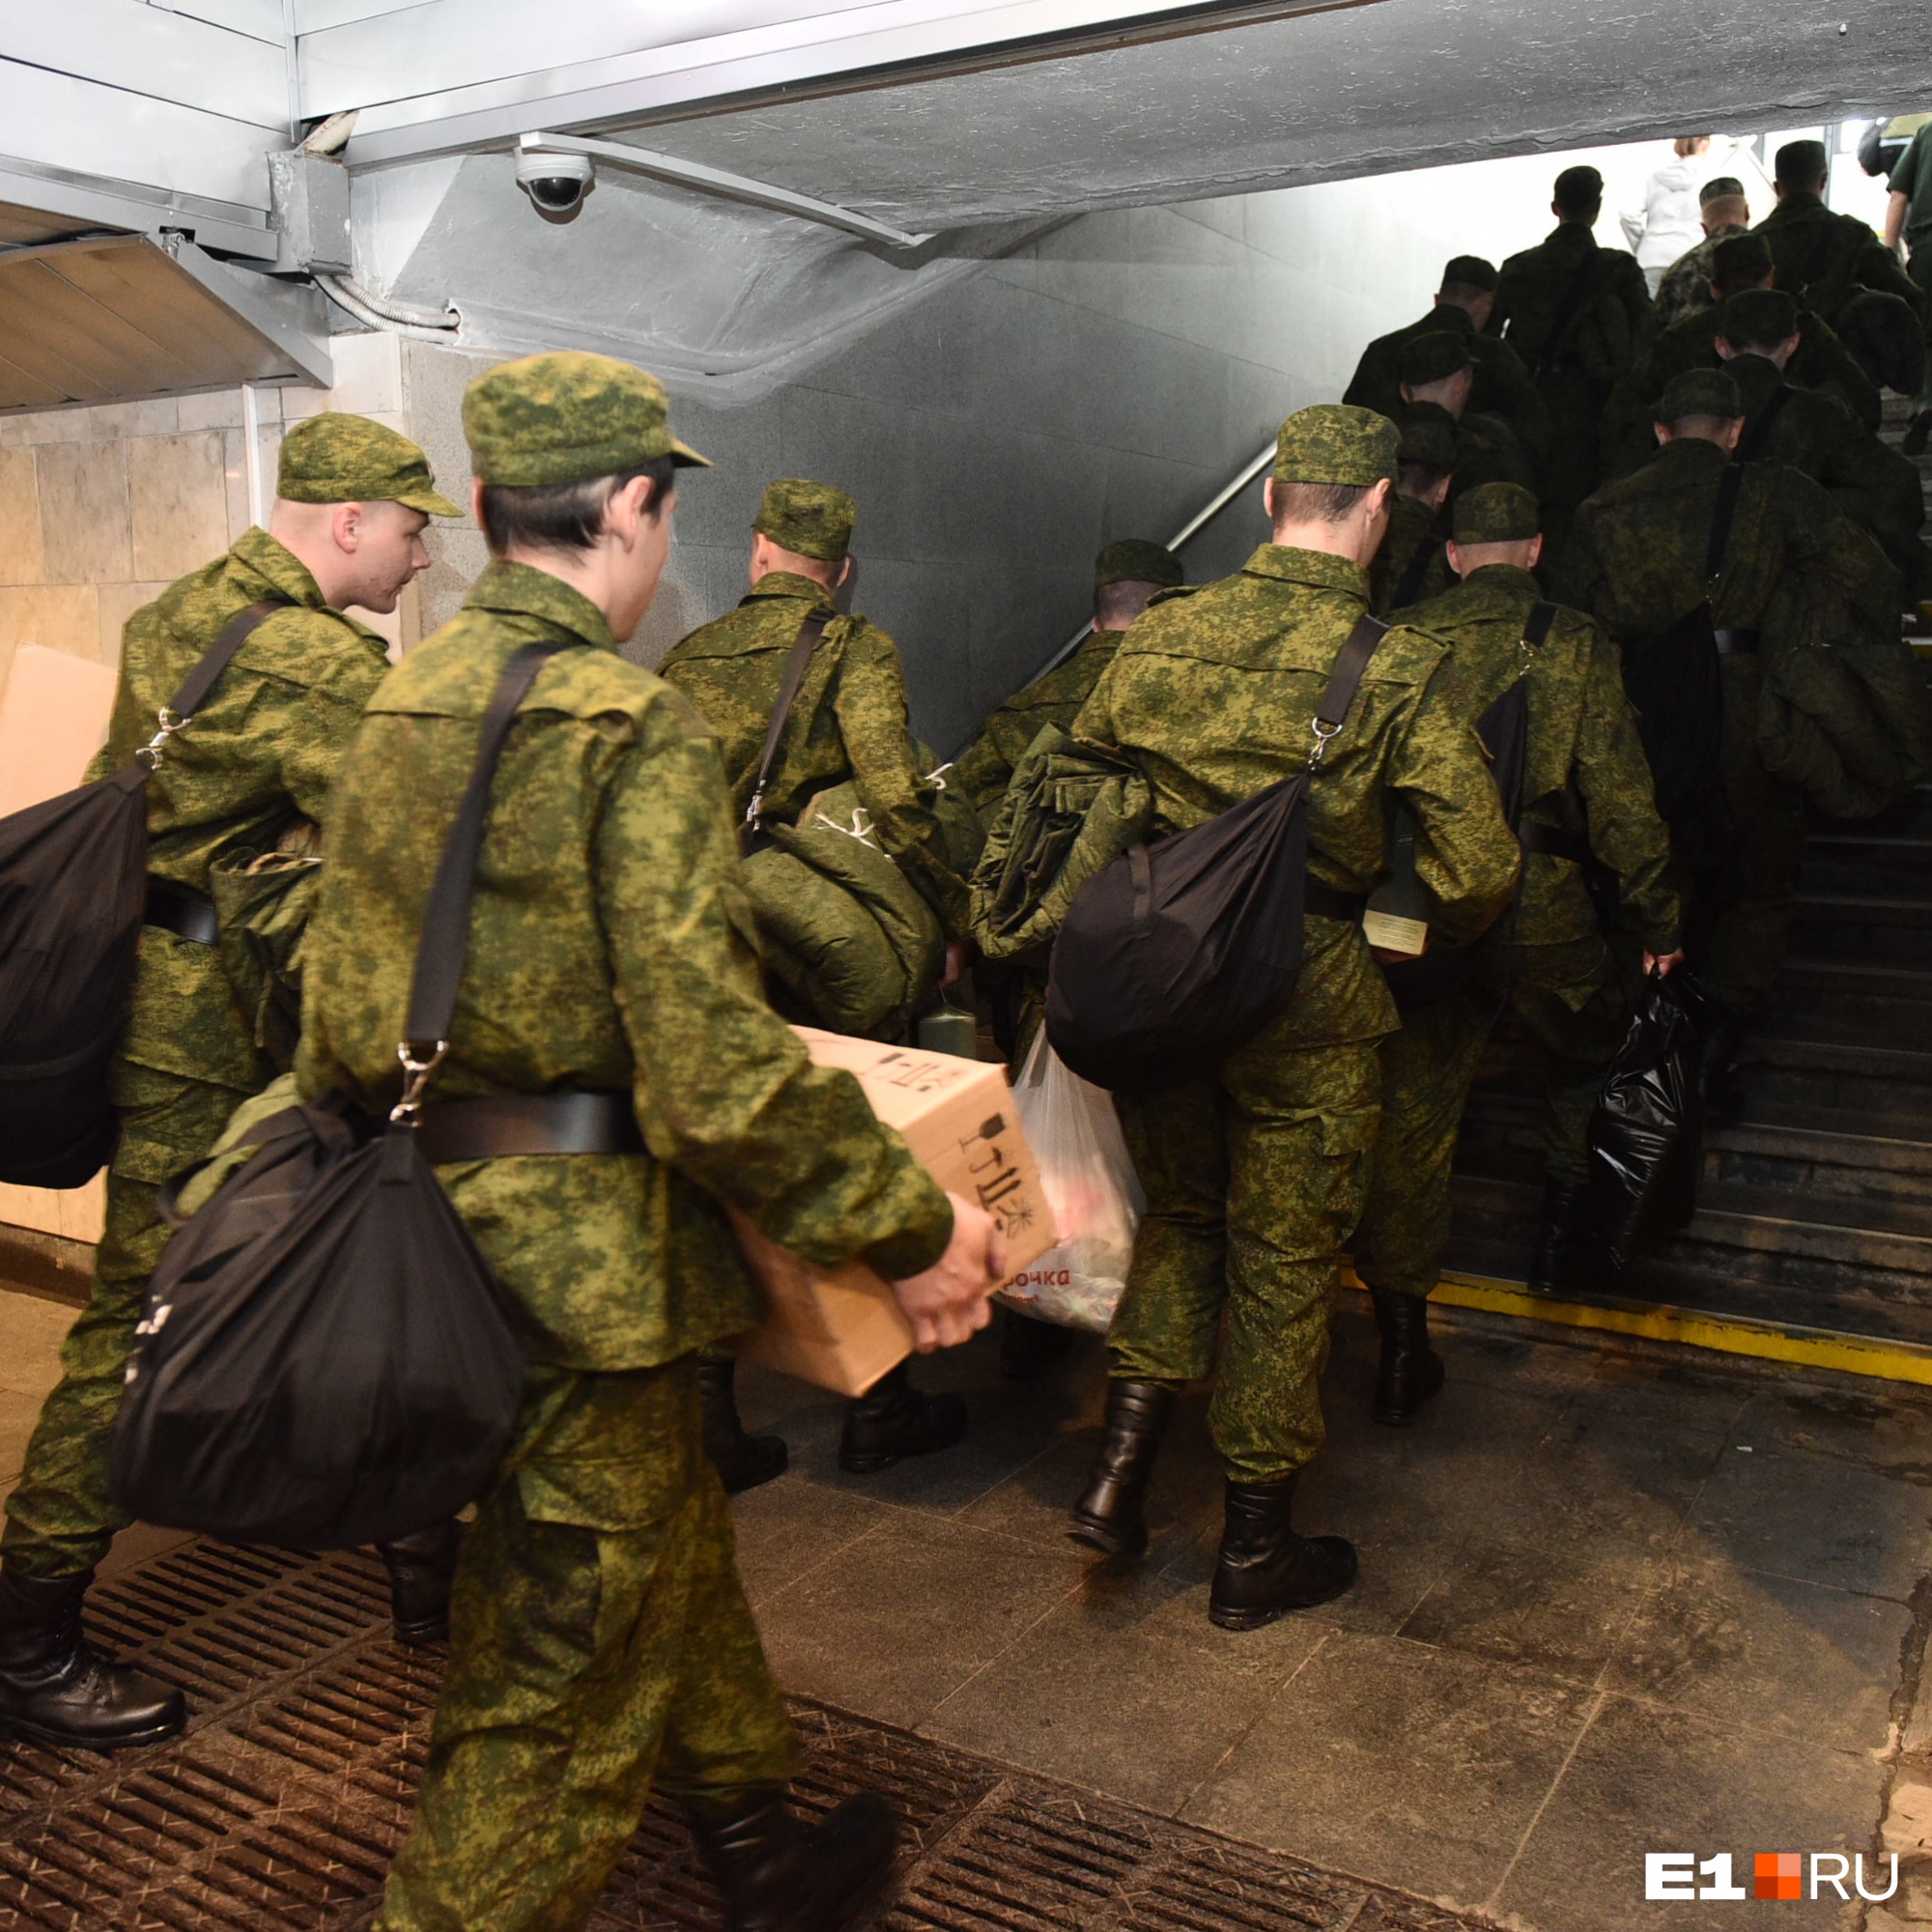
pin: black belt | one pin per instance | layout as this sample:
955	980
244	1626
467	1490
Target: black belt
1326	902
497	1126
1735	644
1553	841
183	911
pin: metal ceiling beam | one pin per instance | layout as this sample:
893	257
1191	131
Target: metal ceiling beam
717	180
290	318
129	205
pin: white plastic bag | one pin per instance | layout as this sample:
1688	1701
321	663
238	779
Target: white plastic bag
1094	1193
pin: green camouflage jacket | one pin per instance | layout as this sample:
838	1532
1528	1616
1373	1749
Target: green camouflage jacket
1872	483
1821	362
1823	258
263	752
850	722
1053	698
1502	385
1685	286
1568	302
1411	525
1212	695
608	950
1585	771
1635	557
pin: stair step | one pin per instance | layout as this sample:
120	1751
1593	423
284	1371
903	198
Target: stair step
1891	929
1825	1164
1858	977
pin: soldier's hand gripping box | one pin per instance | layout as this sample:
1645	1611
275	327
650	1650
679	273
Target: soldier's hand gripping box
842	1327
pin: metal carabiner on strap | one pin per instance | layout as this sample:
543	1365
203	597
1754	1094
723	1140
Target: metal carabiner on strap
1324	733
170	720
416	1073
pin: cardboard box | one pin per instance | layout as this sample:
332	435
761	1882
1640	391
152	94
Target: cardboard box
842	1327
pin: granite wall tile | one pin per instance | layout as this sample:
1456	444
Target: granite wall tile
85	520
20	556
178	496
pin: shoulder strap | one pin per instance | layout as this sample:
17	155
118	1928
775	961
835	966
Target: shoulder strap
1416	569
803	646
445	929
1752	448
236	633
1338	697
1728	487
1536	627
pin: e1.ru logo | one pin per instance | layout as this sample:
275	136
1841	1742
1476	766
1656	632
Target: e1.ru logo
1671	1875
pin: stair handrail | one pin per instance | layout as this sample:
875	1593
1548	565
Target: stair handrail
1193	527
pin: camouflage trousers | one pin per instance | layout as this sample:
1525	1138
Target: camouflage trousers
1737	909
600	1641
1574	1007
1254	1181
60	1517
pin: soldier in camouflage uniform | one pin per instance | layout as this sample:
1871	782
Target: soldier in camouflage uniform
1685	286
1636	563
1502	388
849	722
1585	795
1822	363
1824	258
1412	566
1579	316
257	761
1125	575
1254	1173
1438	373
600	1634
1811	431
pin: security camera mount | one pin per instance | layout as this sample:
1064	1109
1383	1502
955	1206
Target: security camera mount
555	180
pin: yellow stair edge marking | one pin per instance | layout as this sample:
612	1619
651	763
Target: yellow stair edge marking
1657	1321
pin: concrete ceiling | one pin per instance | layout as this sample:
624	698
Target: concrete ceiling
1354	89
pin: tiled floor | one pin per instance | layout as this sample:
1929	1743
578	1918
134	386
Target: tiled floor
1613	1599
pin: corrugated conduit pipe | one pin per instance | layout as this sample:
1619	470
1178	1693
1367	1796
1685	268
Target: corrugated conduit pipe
420	325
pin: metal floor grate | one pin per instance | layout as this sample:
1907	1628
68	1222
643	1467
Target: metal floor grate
281	1808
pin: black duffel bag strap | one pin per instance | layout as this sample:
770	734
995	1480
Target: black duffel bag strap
201	680
1536	626
444	944
796	666
1729	486
1338	697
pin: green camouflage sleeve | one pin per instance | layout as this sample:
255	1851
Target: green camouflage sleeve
1577	576
1613	775
874	722
725	1090
981	771
312	729
1465	852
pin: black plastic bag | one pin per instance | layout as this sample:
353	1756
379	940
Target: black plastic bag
1647	1133
326	1359
1181	951
72	888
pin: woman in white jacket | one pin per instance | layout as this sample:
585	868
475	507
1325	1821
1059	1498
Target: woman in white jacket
1669	223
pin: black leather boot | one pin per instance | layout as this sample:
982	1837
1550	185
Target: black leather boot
743	1462
1111	1515
1720	1079
56	1686
780	1874
1028	1348
893	1420
1410	1370
1571	1252
1266	1568
421	1567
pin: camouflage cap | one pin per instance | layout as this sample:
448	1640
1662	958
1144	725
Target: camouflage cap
1885	338
1136	560
1741	261
566	417
1578	189
1469	271
1721	188
342	459
1758	315
812	519
1428	435
1336	443
1699	392
1432	357
1495	513
1799	163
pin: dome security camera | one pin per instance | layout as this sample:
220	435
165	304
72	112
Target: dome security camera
555	183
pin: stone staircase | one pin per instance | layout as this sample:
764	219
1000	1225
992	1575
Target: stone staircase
1816	1207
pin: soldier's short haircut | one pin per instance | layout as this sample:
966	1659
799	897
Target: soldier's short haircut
1417	479
1700	425
1316	502
1580	191
1721	188
1119	604
562	516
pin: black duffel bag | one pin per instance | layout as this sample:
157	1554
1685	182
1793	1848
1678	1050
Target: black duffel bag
73	886
327	1358
1181	951
1647	1132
